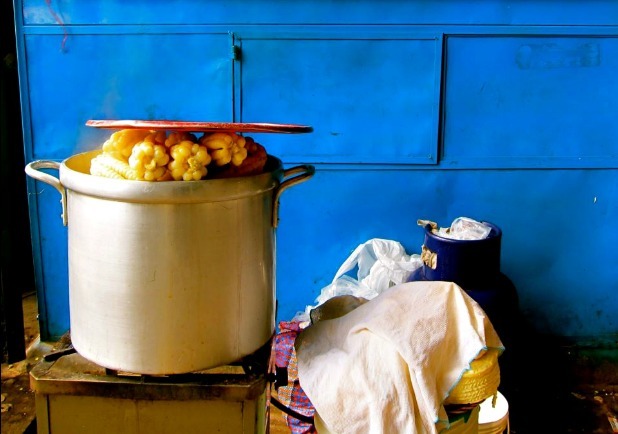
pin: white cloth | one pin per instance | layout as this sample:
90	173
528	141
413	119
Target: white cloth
388	365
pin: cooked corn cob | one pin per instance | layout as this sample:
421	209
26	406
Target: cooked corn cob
149	158
176	137
225	148
189	161
109	166
121	142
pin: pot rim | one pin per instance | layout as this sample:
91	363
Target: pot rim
75	176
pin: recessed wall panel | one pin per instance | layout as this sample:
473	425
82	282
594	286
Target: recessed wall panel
136	76
531	101
370	100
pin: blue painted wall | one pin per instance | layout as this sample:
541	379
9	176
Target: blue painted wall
499	110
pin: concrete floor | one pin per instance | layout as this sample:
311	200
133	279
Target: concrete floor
549	390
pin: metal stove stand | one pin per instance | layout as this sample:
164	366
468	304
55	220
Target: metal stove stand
74	395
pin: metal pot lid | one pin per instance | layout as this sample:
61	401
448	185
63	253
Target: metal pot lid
239	127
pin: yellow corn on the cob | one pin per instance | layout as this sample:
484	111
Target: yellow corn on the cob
189	161
238	155
225	147
149	158
121	142
152	156
109	166
176	137
217	140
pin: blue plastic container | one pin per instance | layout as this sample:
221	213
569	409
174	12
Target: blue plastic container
474	265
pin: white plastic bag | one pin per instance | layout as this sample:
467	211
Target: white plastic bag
381	264
465	228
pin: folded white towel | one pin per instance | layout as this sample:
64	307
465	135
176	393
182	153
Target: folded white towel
388	366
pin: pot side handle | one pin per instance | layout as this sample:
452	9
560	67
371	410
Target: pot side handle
303	172
32	170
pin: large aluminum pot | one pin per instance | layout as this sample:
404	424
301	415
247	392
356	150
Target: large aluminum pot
169	277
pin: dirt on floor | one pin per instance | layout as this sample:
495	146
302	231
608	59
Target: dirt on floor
18	415
17	399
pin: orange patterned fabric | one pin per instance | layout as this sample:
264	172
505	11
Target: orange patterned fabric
292	395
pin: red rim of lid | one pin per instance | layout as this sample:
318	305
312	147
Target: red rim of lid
200	126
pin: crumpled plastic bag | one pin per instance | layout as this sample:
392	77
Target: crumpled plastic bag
381	264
